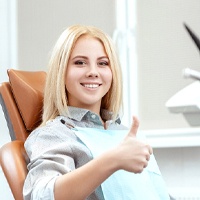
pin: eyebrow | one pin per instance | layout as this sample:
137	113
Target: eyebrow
85	57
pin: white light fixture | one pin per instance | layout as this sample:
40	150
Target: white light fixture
187	102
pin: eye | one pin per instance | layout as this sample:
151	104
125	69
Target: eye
103	63
79	62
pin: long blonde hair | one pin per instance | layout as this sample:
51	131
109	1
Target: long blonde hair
55	98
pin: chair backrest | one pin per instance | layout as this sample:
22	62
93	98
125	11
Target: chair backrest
22	101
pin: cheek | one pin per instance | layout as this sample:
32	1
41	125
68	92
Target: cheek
71	76
108	76
68	80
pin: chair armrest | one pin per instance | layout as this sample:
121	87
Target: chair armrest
14	160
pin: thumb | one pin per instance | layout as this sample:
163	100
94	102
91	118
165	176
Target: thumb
134	127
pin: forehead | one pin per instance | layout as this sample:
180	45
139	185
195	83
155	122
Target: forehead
88	44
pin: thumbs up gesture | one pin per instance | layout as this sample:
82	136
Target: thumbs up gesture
134	127
133	154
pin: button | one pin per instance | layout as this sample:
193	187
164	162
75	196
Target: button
93	116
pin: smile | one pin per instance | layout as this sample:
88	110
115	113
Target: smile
91	85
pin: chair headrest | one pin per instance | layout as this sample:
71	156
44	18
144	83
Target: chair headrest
27	88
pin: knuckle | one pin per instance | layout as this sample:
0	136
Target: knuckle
140	169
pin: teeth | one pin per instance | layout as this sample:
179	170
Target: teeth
91	85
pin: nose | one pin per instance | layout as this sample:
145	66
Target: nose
92	71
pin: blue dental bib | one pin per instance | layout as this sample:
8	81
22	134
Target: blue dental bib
123	185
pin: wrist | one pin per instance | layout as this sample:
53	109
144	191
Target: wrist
112	160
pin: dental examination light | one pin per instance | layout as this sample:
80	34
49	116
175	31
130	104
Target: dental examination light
187	100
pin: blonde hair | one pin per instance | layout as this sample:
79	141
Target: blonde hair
55	98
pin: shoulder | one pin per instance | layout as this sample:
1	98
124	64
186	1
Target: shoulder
51	128
53	133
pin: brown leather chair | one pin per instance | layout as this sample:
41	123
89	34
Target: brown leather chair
21	99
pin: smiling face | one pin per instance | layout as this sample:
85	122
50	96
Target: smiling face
88	76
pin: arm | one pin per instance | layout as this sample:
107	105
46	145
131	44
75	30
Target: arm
131	155
81	182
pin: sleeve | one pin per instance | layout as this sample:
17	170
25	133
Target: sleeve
51	155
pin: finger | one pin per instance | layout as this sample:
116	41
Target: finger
148	157
134	127
150	150
145	164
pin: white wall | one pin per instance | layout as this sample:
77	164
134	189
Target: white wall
41	22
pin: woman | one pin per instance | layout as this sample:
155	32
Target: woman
83	90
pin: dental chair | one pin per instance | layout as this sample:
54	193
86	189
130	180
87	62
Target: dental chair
21	99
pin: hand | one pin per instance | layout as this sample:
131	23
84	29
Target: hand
133	154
